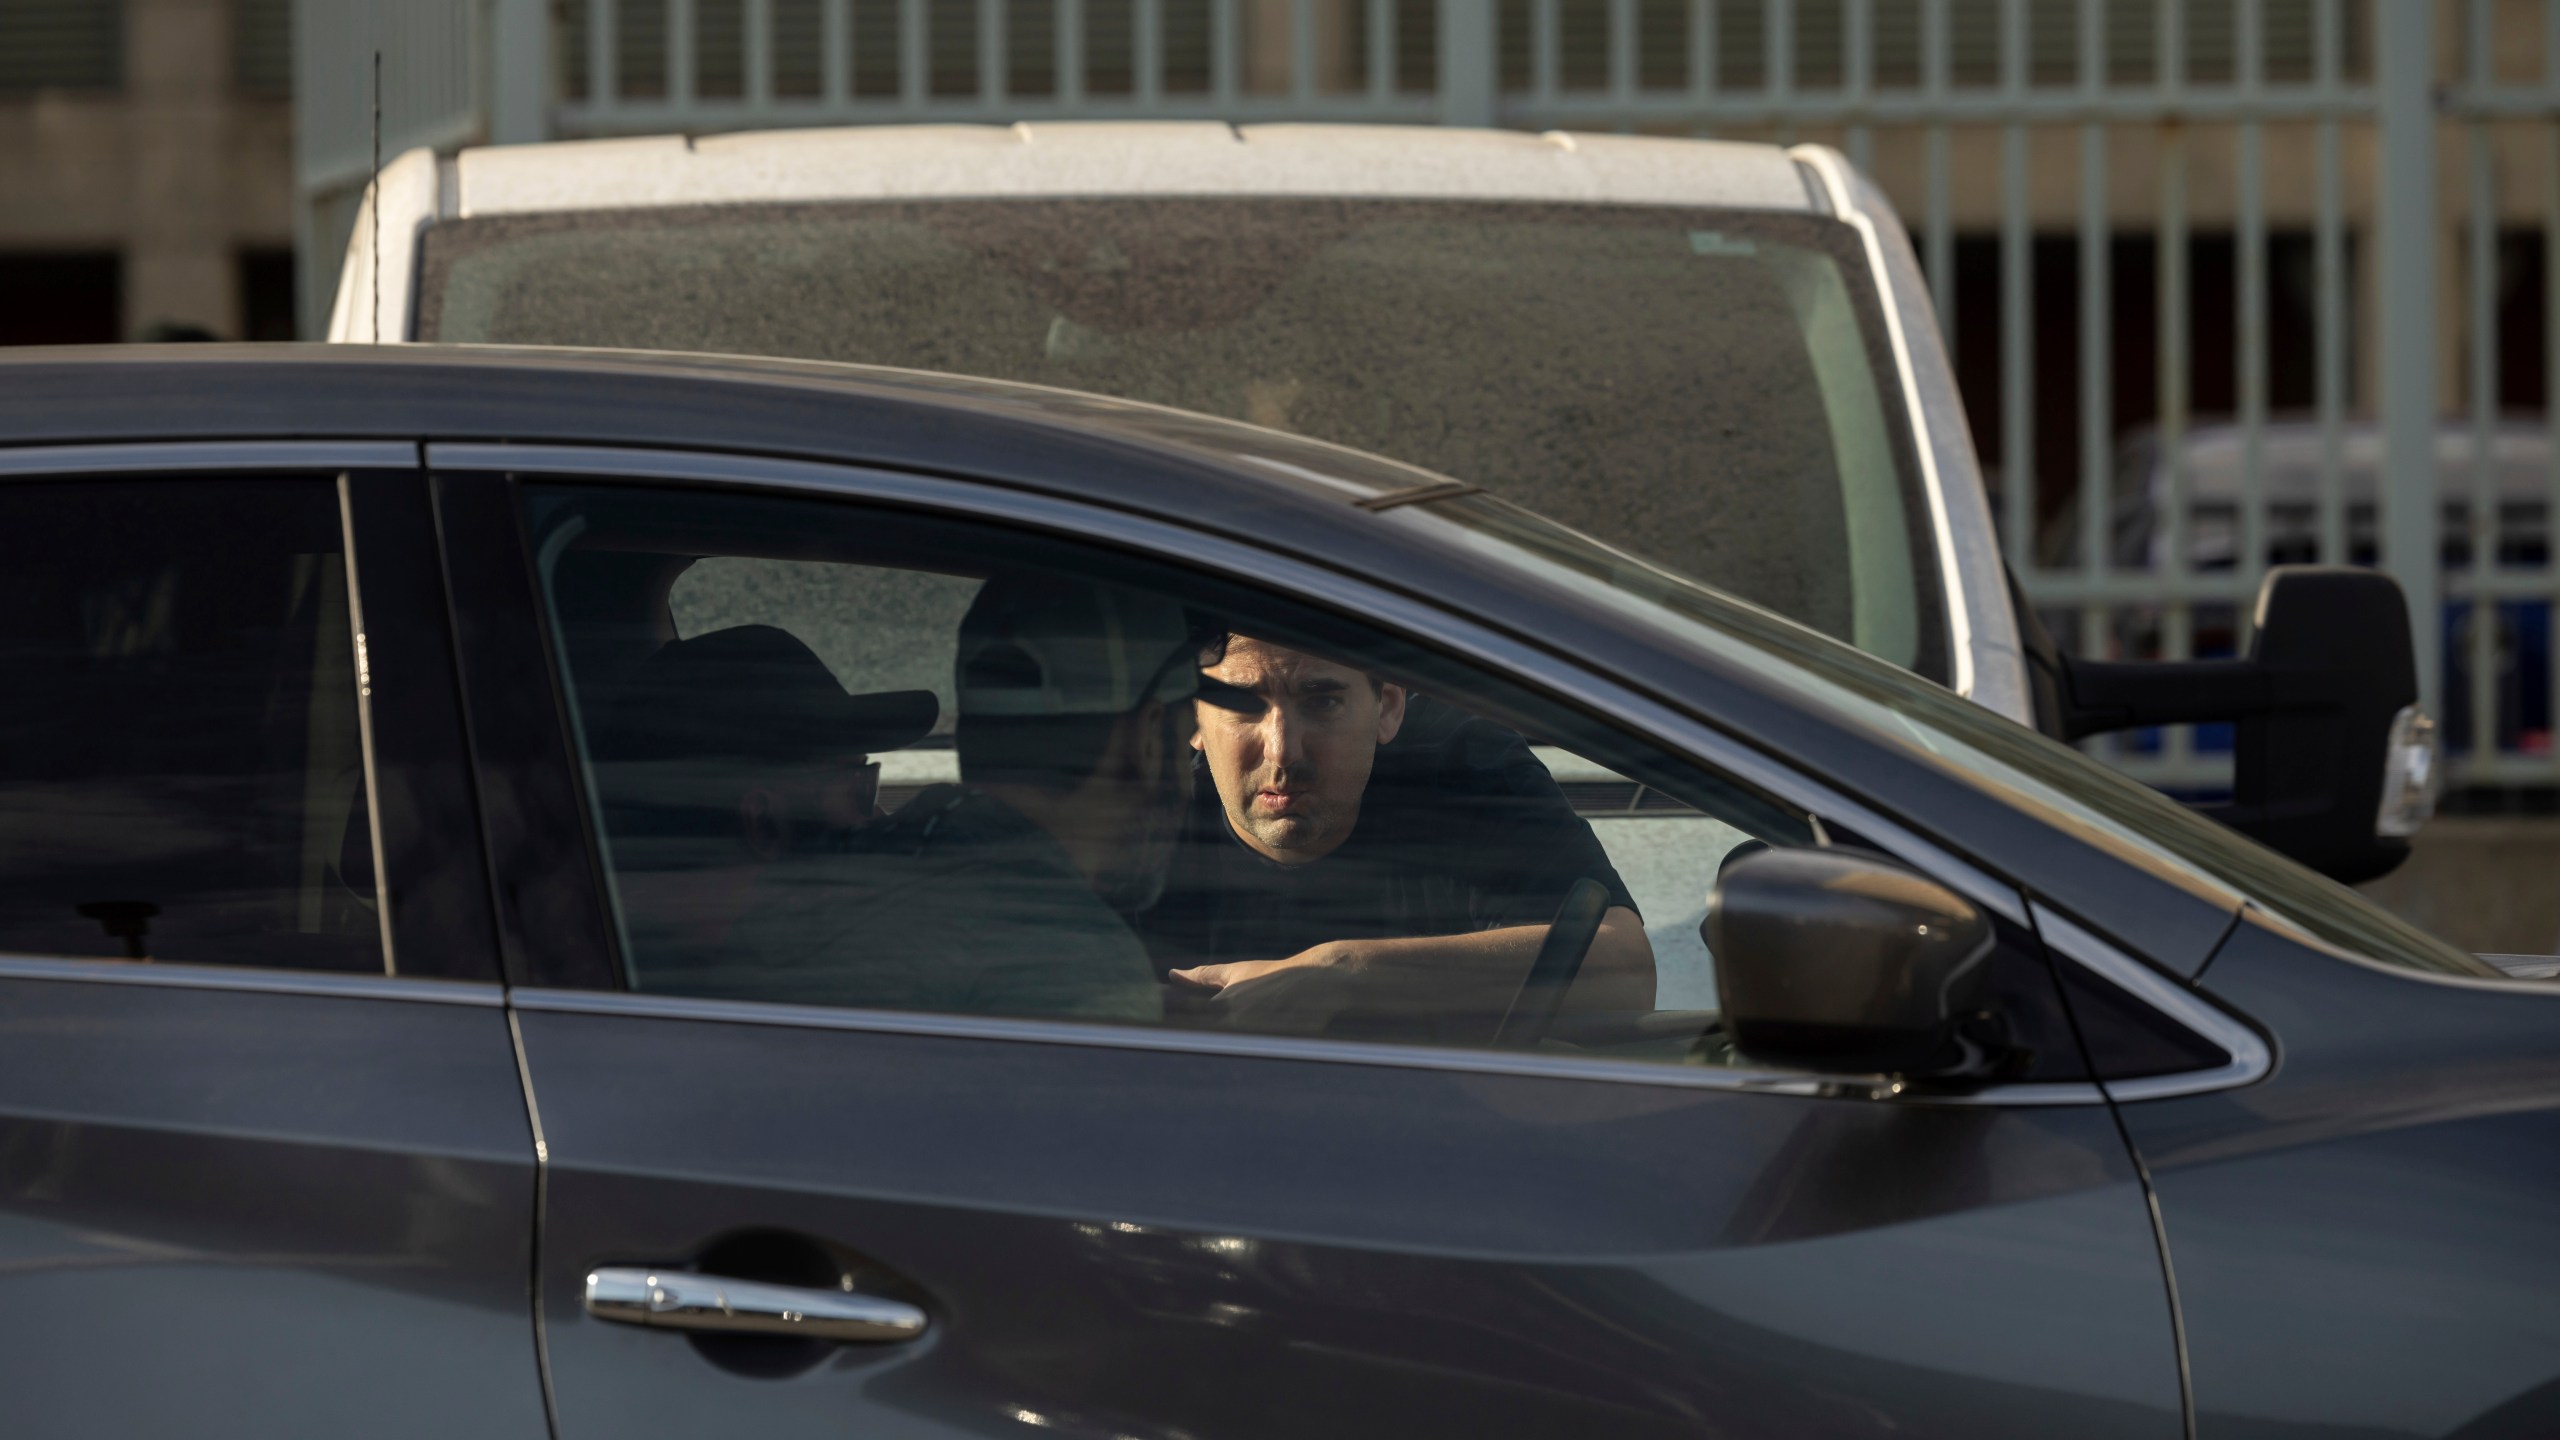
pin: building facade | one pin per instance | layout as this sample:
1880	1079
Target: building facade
146	170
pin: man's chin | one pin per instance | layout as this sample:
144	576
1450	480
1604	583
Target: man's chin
1285	835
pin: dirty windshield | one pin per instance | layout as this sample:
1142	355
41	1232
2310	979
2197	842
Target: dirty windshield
1708	389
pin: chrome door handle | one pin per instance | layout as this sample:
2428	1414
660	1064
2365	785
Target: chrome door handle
683	1300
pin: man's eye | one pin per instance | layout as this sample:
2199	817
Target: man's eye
1325	704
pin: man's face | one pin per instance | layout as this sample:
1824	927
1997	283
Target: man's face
1291	775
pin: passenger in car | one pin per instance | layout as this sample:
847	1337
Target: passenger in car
1361	853
757	696
1004	894
721	754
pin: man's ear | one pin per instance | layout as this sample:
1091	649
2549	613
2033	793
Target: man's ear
1390	712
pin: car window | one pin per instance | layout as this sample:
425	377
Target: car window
1711	389
182	771
844	756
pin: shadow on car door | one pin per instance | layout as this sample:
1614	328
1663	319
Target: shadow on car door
1114	1240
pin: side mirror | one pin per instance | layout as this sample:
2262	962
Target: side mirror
2334	763
1838	962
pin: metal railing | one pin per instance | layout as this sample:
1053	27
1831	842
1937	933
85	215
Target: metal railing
1139	74
2384	143
2479	106
2091	107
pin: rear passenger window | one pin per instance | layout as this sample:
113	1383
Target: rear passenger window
181	756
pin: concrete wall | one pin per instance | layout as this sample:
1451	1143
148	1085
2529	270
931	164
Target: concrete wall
177	172
2488	885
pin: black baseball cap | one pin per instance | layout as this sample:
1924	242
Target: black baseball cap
755	692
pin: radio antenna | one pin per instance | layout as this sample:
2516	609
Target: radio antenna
374	207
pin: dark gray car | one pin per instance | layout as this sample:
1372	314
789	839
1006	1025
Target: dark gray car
437	999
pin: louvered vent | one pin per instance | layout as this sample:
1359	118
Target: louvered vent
1741	42
61	45
262	47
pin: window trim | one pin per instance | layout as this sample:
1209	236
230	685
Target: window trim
2252	1058
39	462
366	746
1108	1036
1461	637
182	976
552	920
434	875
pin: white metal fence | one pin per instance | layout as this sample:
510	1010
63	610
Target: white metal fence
2400	159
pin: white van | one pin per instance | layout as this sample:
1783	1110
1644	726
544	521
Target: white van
1719	357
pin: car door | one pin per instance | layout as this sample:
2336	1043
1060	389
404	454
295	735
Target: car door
264	1160
1165	1228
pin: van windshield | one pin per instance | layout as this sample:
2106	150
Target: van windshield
1710	390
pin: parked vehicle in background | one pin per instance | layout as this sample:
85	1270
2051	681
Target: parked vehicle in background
417	1025
2293	456
1719	357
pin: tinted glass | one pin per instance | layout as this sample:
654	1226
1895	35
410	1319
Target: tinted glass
181	768
2074	792
849	757
1710	389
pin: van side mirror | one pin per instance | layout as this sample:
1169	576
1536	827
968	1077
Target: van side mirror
1844	963
2334	763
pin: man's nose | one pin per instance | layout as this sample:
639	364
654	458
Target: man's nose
1283	738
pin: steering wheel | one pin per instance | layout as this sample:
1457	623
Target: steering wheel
1541	993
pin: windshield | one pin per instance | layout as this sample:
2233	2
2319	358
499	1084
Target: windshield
2051	779
1710	390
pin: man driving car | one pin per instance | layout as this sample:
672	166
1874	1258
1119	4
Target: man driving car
1365	854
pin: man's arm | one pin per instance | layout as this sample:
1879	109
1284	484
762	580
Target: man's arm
1427	975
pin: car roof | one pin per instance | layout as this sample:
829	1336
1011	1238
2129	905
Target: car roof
813	409
1124	158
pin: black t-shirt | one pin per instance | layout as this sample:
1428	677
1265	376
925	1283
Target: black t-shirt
1461	830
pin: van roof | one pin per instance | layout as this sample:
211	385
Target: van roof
1125	158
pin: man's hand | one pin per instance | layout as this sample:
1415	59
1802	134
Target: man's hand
1219	978
1298	995
1424	977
